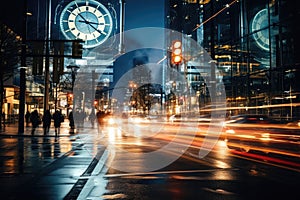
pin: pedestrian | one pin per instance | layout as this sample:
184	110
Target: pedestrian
58	118
71	122
47	121
27	118
35	120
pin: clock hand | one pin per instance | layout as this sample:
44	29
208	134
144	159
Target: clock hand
87	22
90	23
95	28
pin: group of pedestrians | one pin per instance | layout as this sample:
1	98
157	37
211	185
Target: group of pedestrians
35	120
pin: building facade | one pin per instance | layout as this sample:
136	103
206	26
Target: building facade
255	47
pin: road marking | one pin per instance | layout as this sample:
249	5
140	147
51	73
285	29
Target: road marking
168	172
96	176
85	184
219	191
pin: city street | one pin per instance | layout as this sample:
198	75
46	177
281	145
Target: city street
175	99
115	163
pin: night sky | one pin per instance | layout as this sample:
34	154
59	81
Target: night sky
144	13
138	13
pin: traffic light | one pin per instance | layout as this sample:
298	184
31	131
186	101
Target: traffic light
176	54
69	99
58	61
77	49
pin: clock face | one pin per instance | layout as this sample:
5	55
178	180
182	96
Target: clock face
259	27
87	20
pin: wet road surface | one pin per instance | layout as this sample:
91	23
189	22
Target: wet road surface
113	165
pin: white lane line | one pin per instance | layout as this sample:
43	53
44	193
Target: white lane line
168	172
93	181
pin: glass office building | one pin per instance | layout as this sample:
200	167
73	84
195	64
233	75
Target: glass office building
255	45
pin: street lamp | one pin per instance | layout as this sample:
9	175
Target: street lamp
132	86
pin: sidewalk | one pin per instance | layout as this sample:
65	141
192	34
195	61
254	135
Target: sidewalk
44	166
12	130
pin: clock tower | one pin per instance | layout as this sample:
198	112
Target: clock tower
87	20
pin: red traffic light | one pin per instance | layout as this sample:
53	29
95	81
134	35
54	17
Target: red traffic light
176	55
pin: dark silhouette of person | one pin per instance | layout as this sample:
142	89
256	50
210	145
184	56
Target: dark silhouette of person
35	120
47	117
58	119
71	122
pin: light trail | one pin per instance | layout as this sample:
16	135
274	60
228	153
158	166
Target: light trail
216	14
280	163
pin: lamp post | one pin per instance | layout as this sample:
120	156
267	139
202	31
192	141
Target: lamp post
23	73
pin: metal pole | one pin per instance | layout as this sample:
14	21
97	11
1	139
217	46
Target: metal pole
23	73
213	61
47	62
122	20
56	96
93	90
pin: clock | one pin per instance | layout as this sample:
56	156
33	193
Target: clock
259	28
87	20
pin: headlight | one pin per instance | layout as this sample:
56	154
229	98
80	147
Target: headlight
265	136
230	131
111	121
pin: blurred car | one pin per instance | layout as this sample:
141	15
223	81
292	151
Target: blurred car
136	119
175	118
152	117
295	124
260	133
251	119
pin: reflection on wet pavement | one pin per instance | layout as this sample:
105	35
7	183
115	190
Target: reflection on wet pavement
26	155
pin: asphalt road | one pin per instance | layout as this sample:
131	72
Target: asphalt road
139	161
182	173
